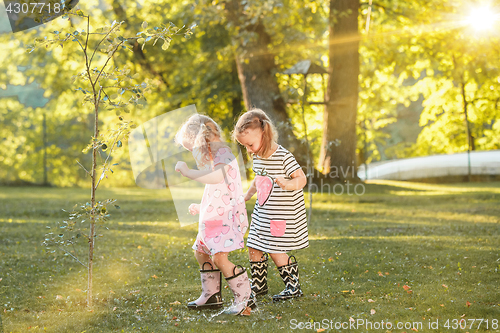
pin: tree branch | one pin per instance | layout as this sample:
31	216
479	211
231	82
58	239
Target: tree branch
83	167
78	260
136	48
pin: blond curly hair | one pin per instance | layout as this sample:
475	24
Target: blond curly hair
199	131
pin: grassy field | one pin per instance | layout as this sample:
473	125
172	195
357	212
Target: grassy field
405	253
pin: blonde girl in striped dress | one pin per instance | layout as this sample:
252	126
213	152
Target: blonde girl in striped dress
279	221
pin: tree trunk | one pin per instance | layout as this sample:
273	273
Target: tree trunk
45	177
338	148
257	76
236	110
97	99
467	127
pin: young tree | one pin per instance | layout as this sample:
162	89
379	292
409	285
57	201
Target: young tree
104	87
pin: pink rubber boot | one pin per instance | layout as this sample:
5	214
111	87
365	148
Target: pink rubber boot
211	297
244	299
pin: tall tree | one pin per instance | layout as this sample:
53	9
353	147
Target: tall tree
338	149
257	74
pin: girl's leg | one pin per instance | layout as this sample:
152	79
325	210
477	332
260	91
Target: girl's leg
289	272
255	255
222	262
202	258
239	284
258	270
280	259
210	276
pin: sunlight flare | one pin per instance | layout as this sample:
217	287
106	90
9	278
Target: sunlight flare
482	19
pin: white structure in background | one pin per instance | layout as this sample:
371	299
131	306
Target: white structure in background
482	163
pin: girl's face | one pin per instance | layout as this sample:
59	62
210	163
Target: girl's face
251	139
187	144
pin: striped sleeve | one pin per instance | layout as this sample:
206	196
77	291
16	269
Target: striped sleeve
290	164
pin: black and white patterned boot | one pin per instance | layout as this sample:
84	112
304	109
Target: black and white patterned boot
259	275
211	297
290	275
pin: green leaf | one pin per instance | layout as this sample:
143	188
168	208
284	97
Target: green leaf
144	25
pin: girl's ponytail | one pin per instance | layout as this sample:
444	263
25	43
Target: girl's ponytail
198	130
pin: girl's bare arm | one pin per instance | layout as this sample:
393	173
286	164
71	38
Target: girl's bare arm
251	191
297	182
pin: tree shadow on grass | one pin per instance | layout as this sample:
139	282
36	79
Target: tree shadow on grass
442	273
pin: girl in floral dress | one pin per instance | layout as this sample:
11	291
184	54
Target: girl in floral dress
223	218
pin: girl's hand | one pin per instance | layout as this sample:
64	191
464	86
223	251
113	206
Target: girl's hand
181	167
296	181
194	209
282	182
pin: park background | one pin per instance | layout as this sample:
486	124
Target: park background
405	79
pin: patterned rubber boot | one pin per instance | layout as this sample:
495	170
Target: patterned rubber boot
259	275
244	299
211	297
290	275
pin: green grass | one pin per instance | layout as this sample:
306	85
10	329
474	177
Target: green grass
440	240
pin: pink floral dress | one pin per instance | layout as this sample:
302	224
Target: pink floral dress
223	216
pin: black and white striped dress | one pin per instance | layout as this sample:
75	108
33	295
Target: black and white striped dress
280	224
